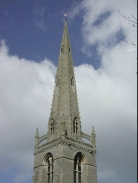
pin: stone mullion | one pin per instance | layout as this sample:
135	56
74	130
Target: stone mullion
51	170
48	174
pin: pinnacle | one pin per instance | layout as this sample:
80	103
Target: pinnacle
37	133
93	131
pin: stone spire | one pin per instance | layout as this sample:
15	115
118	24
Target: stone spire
65	100
65	157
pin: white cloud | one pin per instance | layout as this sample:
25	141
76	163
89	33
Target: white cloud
108	100
111	89
110	26
26	90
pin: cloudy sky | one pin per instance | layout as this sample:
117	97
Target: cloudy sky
105	68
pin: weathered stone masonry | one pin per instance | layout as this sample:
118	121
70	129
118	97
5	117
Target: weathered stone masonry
65	158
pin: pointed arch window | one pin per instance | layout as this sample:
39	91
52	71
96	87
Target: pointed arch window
75	125
50	169
48	162
78	168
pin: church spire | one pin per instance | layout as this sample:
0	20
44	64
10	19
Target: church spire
65	96
65	157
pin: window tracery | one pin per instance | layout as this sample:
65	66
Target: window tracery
50	169
78	168
48	162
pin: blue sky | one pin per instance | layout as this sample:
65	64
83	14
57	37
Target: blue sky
33	30
29	26
105	69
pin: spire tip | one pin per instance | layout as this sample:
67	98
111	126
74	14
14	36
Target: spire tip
65	15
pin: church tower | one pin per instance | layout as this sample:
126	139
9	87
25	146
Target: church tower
65	157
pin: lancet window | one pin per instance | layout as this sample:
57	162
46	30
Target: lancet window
49	162
49	167
78	168
75	125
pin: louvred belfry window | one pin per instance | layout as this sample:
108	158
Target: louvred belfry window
50	169
78	168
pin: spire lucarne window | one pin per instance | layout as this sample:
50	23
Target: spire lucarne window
52	127
75	125
59	154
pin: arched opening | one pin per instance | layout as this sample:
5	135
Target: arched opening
43	142
48	162
78	161
86	141
75	125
